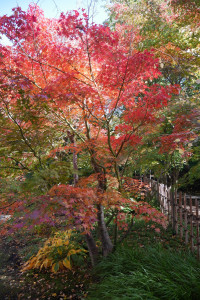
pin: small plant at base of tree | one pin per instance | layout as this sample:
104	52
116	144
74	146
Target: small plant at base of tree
59	252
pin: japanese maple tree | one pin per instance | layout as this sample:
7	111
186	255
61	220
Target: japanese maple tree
89	85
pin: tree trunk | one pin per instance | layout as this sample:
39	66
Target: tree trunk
107	245
92	248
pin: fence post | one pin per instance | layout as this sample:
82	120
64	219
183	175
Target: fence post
197	229
176	212
181	215
164	200
172	211
161	198
191	226
168	204
185	220
158	192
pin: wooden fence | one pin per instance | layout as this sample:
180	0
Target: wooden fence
183	212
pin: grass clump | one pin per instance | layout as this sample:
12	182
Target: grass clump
147	273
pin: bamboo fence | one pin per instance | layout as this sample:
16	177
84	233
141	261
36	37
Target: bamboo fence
183	212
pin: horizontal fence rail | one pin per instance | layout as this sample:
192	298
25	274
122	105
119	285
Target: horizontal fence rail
182	210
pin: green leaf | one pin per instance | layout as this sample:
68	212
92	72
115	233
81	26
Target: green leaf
55	267
66	263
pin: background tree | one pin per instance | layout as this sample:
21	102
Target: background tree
171	28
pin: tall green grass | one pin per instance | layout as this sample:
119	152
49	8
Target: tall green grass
147	273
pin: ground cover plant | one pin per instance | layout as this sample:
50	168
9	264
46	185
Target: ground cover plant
148	266
151	272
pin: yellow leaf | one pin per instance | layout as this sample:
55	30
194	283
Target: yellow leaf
41	266
47	263
33	260
59	251
26	268
37	264
59	242
66	263
73	251
39	256
29	264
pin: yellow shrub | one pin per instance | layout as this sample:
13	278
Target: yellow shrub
56	253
